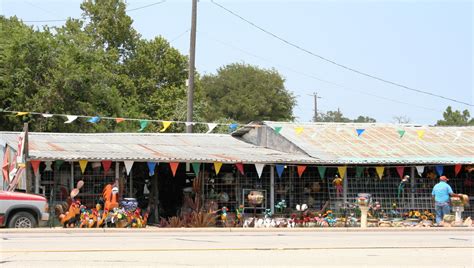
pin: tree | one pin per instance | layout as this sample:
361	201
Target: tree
456	118
337	116
245	93
401	119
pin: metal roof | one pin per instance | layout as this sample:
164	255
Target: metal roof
149	147
380	143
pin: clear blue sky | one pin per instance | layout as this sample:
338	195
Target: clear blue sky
427	45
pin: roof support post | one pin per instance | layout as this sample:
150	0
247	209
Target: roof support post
272	188
412	190
71	179
344	189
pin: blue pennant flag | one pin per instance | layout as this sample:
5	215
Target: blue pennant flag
280	169
151	168
94	119
360	131
439	170
232	126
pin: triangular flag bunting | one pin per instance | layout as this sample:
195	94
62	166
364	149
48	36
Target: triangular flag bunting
119	120
47	115
217	167
299	130
166	125
277	129
143	125
211	127
400	171
22	113
420	170
232	127
401	132
240	167
379	171
342	171
128	166
189	124
48	166
439	170
106	164
420	133
58	164
280	169
174	167
300	170
322	172
457	168
360	131
259	167
70	118
359	171
196	167
83	165
151	168
94	119
35	165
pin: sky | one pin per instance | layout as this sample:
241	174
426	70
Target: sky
426	45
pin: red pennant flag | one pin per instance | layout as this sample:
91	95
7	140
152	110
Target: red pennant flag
174	167
400	171
35	164
457	168
301	169
119	120
106	165
240	167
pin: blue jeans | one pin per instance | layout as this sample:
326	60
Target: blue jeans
442	208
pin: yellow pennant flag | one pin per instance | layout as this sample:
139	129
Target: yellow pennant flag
83	165
217	166
420	133
299	130
379	171
166	124
342	171
22	113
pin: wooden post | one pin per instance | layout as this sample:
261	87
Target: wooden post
272	188
71	179
412	192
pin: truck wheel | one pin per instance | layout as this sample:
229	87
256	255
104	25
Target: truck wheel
22	220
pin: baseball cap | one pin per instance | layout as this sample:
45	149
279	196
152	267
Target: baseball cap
443	178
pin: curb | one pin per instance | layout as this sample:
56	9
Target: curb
151	229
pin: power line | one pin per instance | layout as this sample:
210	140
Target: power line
316	77
128	10
333	62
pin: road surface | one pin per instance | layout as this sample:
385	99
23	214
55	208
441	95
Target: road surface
238	249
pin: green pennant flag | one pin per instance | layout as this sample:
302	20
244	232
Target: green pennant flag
196	167
58	164
359	171
322	172
401	133
143	124
278	129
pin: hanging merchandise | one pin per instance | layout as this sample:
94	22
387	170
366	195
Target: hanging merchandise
400	171
174	167
106	164
360	131
379	171
83	165
280	169
217	167
128	166
240	167
166	125
322	172
300	170
259	167
151	168
196	167
35	165
420	170
359	171
439	170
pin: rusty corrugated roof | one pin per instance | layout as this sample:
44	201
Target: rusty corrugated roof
381	143
149	147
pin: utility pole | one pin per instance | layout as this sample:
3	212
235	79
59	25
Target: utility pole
315	119
192	57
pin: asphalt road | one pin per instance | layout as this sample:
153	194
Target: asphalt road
238	249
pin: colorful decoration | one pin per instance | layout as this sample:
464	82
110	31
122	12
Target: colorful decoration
322	171
299	130
46	115
420	133
359	171
400	171
280	206
420	170
94	120
232	127
151	168
217	167
83	165
70	119
280	169
166	125
119	120
277	129
259	167
106	164
360	131
457	168
21	113
143	125
240	168
174	167
379	171
211	127
439	170
35	165
401	132
342	171
128	166
300	170
196	167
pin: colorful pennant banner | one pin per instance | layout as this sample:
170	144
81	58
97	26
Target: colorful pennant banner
174	167
322	172
70	119
379	171
128	166
143	125
400	171
360	131
240	168
151	168
119	120
83	165
280	169
299	130
277	130
94	120
259	167
217	167
35	165
401	132
301	169
106	164
359	171
342	171
196	167
457	168
439	170
166	125
46	115
420	170
420	133
211	127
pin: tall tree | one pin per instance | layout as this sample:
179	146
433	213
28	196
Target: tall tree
245	93
456	118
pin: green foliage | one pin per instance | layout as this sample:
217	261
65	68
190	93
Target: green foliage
456	118
246	93
337	116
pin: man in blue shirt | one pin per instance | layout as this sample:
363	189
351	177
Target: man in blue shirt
441	194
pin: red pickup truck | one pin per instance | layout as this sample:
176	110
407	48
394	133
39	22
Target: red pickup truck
21	210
